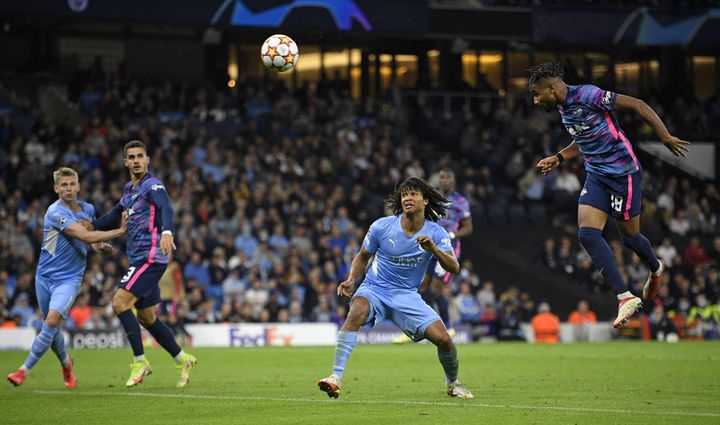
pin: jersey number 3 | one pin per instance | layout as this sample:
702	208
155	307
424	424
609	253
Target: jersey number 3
127	276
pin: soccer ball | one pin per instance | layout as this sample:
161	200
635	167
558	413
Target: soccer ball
279	53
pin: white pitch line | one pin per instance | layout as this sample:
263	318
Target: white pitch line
394	402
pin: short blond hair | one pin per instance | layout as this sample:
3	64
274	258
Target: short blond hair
64	172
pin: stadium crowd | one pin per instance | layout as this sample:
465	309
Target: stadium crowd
273	192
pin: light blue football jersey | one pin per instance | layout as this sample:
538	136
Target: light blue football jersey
400	262
62	258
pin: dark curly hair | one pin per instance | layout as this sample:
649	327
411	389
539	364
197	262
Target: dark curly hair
543	71
437	204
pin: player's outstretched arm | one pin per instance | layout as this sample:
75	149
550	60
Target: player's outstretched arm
552	162
110	220
628	103
79	231
359	264
447	259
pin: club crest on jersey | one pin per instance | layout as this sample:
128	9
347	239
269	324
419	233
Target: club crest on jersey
606	98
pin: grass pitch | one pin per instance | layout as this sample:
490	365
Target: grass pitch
608	383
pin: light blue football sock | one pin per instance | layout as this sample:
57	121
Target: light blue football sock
343	348
40	345
449	362
58	347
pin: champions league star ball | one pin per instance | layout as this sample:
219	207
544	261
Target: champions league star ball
279	53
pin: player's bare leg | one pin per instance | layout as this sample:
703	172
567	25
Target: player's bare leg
347	337
438	335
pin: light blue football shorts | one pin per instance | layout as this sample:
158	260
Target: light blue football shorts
58	296
404	307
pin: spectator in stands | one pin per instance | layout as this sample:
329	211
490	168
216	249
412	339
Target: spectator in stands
587	273
566	188
295	313
96	320
636	270
546	325
532	184
666	200
233	286
565	256
582	315
217	272
467	306
11	322
23	309
712	283
581	319
486	296
679	224
256	296
667	252
703	319
661	327
197	271
172	289
695	254
549	255
527	306
508	326
714	254
80	312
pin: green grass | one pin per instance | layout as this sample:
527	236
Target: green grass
620	382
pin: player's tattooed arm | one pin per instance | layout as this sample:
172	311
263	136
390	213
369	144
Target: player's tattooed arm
359	264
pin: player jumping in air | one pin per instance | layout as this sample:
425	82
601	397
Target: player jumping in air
61	267
150	220
613	186
403	244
